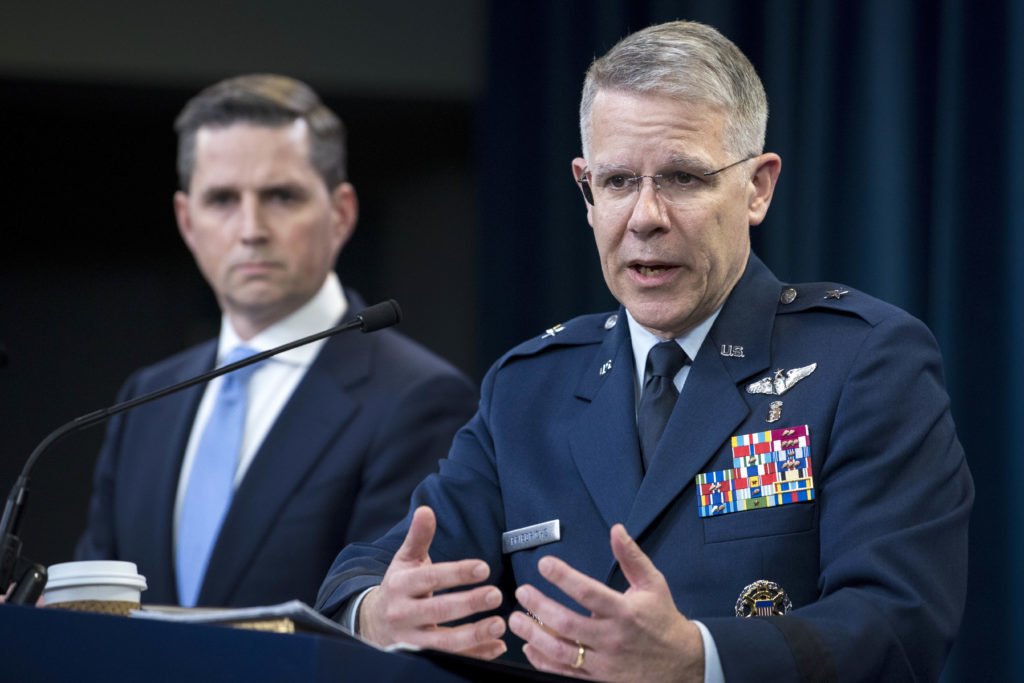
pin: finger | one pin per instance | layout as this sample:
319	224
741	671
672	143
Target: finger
416	545
638	569
423	580
558	620
542	662
490	650
528	627
441	609
589	593
478	636
554	645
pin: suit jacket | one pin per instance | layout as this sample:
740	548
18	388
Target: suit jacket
875	565
369	420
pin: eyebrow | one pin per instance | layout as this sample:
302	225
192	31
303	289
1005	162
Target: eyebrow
685	161
602	169
690	161
215	190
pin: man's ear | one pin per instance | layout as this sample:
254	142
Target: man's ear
184	219
762	185
579	165
345	212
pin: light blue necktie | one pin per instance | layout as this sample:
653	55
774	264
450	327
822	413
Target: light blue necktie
211	482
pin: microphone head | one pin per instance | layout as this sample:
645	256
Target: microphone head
379	316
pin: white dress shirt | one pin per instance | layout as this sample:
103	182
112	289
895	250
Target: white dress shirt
272	383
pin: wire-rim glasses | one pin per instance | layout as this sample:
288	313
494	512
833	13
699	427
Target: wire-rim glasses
616	188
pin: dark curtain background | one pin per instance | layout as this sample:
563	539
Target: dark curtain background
901	128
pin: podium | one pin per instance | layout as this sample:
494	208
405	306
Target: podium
52	645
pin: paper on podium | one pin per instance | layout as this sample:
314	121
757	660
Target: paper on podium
294	616
297	617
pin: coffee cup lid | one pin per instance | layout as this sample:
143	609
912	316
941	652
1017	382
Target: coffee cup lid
111	572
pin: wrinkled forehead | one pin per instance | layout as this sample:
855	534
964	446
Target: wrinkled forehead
629	128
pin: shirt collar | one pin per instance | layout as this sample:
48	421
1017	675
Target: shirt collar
324	310
643	341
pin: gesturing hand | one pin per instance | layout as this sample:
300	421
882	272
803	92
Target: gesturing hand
637	635
404	608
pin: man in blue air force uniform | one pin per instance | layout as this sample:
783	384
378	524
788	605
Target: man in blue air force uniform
798	513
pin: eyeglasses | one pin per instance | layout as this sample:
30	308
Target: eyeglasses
617	189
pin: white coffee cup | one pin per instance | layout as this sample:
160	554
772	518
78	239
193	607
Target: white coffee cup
94	586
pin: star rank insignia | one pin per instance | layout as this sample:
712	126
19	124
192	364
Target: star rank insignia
836	293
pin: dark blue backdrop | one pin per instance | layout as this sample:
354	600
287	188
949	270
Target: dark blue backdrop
901	128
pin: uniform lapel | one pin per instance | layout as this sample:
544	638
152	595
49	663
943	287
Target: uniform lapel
712	405
603	441
322	406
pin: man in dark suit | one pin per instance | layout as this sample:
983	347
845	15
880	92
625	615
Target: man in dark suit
229	503
729	477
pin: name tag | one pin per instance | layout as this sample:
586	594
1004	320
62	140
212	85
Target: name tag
531	536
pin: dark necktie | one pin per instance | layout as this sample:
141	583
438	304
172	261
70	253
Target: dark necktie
659	396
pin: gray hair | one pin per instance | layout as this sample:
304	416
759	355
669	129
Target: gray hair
263	100
688	61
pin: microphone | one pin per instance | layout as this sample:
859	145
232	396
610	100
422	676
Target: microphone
29	578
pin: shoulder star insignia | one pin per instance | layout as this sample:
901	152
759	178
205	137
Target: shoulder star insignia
781	382
836	293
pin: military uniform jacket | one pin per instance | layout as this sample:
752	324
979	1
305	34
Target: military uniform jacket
875	565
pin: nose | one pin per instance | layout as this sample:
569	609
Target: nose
253	228
648	213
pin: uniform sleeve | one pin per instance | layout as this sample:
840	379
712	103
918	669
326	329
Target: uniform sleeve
466	498
895	497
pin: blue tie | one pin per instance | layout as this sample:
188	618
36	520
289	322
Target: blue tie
664	361
211	482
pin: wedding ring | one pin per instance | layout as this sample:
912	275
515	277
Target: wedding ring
581	654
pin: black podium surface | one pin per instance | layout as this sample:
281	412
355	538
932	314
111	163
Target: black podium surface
52	645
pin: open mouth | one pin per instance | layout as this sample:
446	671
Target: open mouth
649	270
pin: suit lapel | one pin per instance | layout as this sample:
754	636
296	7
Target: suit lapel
167	451
322	406
711	405
603	441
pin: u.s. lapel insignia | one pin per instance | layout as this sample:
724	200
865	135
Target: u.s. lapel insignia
763	599
605	367
731	351
774	411
836	294
610	321
552	331
781	382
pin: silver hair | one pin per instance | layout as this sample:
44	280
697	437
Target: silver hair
688	61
